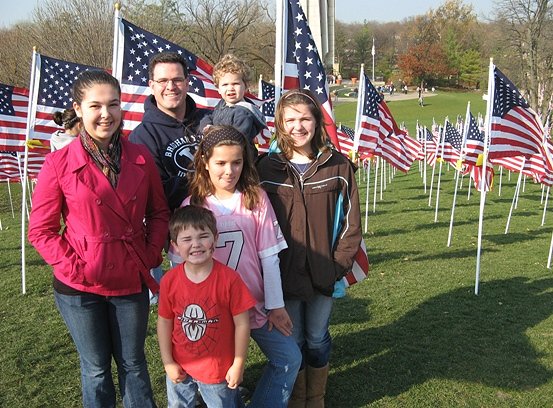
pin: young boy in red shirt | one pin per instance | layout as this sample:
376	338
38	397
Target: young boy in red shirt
203	320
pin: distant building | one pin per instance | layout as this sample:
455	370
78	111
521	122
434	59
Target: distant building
320	15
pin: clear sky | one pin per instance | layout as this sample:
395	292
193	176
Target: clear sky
396	10
12	11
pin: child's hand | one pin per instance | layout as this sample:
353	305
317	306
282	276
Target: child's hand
279	318
175	372
205	128
235	375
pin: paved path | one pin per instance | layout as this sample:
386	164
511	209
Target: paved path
397	96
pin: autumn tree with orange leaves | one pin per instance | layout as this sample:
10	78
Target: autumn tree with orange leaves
424	63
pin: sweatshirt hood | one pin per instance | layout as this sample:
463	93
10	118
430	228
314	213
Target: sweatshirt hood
154	115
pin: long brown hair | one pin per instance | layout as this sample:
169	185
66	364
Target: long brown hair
201	185
285	142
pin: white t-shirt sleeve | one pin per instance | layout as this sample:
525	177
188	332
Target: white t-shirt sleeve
272	284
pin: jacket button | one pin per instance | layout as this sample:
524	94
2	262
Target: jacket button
130	230
133	198
98	201
109	266
106	234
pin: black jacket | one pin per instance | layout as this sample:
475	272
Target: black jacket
172	144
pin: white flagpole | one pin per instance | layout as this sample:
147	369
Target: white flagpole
382	176
432	181
280	57
523	187
500	180
550	253
373	53
545	207
488	127
440	173
458	173
424	159
358	113
367	193
450	235
31	113
515	195
116	67
11	198
377	167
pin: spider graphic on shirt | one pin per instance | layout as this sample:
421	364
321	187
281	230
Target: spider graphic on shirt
197	326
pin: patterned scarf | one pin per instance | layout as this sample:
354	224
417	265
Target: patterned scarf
110	161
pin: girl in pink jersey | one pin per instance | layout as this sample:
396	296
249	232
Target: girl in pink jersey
226	182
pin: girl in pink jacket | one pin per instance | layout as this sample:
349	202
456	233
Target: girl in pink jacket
108	193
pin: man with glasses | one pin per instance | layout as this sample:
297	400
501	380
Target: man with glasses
170	129
170	126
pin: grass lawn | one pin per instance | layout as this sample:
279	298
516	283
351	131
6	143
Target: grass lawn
412	335
408	111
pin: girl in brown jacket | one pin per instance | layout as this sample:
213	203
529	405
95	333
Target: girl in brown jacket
314	194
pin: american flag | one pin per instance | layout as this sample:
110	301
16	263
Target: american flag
369	134
54	79
135	47
452	144
474	142
266	93
515	128
14	104
360	267
413	145
533	166
430	147
10	168
303	67
11	164
476	174
397	151
345	138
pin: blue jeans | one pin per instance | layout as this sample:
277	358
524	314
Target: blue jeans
157	274
105	327
183	394
311	319
277	381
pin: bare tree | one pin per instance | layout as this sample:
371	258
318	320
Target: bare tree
16	46
162	18
75	30
217	27
527	27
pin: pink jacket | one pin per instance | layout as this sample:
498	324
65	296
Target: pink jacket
111	237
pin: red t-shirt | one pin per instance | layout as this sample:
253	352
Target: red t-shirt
203	327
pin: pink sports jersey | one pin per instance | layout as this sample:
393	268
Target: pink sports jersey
244	238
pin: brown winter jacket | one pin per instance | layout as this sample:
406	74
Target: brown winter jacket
311	211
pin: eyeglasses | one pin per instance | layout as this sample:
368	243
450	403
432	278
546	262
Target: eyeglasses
164	81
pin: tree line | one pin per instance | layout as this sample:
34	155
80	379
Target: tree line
445	47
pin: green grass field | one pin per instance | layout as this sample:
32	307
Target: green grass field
408	111
413	334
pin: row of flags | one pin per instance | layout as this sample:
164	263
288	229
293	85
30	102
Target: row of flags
515	129
514	136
